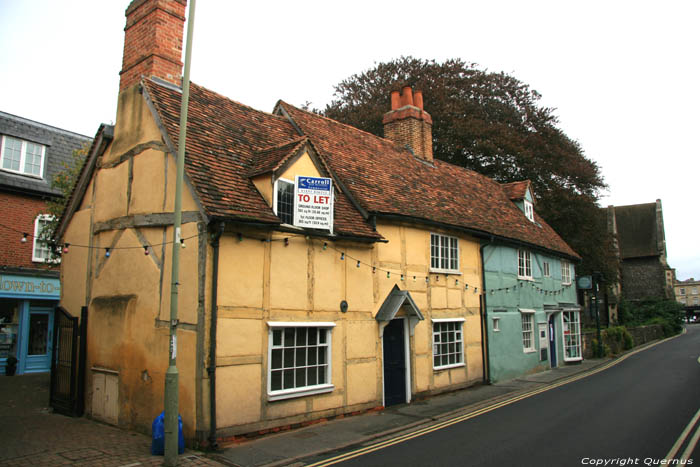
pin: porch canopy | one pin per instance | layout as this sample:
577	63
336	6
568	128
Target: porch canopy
398	300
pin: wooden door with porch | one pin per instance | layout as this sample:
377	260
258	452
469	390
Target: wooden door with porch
394	353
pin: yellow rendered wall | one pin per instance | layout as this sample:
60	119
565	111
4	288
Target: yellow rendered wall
128	293
300	281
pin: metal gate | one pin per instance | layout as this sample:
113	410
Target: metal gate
67	363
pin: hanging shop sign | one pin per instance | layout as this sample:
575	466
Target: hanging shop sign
313	202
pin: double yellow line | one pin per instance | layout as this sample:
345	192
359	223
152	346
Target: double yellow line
481	411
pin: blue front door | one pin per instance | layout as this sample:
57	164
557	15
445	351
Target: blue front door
552	343
38	339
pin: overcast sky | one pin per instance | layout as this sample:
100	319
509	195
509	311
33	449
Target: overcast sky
622	75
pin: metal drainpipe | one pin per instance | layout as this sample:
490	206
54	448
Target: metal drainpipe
211	370
484	322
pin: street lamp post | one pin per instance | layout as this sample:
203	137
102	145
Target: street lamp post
171	401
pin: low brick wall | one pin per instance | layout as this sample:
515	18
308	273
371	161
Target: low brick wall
641	335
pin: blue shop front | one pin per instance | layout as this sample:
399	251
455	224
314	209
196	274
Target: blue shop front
26	322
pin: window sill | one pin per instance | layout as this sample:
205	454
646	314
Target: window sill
292	393
529	350
455	272
526	278
38	178
447	367
573	359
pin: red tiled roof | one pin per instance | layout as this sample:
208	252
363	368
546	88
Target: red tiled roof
272	158
226	142
386	179
516	190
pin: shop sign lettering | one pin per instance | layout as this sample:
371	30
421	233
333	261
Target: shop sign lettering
313	198
22	285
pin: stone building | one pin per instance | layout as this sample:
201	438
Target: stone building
641	245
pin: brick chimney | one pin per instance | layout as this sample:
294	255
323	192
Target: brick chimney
153	41
408	124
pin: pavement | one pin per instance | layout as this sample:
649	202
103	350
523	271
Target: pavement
32	435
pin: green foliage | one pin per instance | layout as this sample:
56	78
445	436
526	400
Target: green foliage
492	123
667	313
64	181
621	335
599	352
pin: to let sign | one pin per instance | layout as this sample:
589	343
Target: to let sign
313	200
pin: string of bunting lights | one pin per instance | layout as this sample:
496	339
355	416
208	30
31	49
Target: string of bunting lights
64	249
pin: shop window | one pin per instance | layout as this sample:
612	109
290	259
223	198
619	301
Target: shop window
572	335
448	343
299	359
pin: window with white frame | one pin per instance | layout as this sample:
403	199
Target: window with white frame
695	300
41	252
448	343
444	253
682	299
565	272
21	156
284	200
682	291
545	269
524	264
572	335
695	290
528	322
299	359
529	211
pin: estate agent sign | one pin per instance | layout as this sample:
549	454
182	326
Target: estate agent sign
313	202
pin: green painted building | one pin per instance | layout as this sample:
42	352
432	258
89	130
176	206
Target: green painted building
532	316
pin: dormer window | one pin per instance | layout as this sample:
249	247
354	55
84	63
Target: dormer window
529	211
22	156
284	200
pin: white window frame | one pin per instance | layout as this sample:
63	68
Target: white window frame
527	316
545	269
571	341
37	243
524	264
682	291
437	253
695	291
458	340
565	272
695	301
529	210
23	157
275	197
683	300
326	386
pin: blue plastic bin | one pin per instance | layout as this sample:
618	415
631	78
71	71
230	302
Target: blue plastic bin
158	441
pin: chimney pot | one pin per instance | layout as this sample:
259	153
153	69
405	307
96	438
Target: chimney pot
406	96
395	100
418	99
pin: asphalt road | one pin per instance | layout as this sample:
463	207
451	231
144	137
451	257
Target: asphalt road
630	414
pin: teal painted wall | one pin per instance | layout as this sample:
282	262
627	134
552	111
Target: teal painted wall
506	294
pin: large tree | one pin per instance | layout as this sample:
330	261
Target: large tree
492	123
